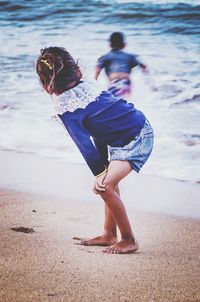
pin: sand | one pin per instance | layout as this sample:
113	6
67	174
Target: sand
47	265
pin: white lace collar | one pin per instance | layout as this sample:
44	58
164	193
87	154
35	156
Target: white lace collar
77	97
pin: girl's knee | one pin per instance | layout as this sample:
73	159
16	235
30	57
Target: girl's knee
110	183
110	188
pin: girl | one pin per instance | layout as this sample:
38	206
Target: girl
99	124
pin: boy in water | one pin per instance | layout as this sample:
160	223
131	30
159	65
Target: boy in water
118	65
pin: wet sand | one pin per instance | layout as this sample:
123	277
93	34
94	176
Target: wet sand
46	265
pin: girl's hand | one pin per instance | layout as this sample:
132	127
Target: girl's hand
99	186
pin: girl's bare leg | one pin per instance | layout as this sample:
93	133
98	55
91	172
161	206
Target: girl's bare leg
109	236
117	170
115	214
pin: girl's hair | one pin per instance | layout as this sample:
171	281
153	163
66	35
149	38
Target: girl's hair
117	40
57	69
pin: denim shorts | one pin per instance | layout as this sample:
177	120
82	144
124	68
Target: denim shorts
137	151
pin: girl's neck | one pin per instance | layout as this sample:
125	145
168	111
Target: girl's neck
70	86
74	84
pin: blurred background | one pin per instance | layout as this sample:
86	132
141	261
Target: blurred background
165	35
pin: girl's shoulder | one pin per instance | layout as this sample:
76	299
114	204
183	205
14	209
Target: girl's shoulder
78	97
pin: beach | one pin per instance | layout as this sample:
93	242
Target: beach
55	200
46	197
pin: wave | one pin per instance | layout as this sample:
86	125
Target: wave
170	17
191	139
195	98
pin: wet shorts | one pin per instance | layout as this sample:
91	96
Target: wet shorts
120	87
137	151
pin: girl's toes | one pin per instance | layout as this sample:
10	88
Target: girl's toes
83	242
107	250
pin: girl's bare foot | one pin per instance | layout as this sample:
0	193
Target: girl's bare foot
123	247
104	240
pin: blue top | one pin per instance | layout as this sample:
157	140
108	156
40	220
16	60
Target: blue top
118	61
105	119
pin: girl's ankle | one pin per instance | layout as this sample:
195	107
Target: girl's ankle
128	238
110	234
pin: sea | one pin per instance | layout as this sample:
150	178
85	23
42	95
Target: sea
164	34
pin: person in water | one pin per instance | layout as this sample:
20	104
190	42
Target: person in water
118	65
112	135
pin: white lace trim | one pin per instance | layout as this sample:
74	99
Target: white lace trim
77	97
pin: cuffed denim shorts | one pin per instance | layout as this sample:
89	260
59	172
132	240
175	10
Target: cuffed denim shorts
137	151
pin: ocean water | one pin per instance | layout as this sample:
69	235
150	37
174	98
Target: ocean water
166	36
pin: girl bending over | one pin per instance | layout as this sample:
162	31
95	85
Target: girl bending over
112	135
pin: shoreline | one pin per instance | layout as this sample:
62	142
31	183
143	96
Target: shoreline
34	174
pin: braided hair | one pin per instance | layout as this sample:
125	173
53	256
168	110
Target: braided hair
57	70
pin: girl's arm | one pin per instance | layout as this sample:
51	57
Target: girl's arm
103	151
81	137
